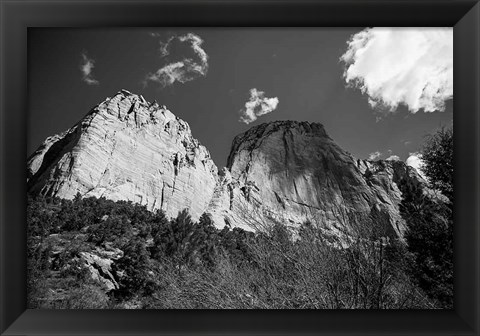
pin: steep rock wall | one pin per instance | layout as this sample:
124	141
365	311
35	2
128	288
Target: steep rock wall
282	172
292	172
127	149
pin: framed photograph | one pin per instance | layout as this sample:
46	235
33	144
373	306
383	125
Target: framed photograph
239	167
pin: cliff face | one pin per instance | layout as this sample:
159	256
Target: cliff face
281	172
293	172
127	149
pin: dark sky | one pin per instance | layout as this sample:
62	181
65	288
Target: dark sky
299	66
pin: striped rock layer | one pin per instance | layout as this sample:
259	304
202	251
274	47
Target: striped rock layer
281	172
293	172
127	149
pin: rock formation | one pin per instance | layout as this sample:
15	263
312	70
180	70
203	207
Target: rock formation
281	172
127	149
99	265
292	172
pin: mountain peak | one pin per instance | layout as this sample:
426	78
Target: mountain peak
263	130
285	172
292	172
127	149
288	130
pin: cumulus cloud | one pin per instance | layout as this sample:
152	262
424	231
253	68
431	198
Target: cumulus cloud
86	67
393	158
410	66
374	155
257	106
415	160
183	70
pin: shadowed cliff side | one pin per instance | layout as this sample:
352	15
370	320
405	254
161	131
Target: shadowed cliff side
292	172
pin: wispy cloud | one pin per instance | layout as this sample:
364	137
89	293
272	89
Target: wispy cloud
410	66
185	69
257	106
164	45
374	155
86	67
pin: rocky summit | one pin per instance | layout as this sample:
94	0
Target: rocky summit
293	172
127	149
281	172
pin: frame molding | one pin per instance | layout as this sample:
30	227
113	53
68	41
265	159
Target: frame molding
17	15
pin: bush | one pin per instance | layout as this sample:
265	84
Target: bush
179	263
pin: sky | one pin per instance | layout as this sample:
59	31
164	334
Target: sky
378	91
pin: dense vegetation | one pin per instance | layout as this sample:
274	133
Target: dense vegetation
181	264
430	221
156	262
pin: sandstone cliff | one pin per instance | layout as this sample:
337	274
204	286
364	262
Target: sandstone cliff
292	172
281	172
127	149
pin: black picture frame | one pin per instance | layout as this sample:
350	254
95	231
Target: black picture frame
15	18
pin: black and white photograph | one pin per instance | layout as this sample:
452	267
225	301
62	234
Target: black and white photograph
240	168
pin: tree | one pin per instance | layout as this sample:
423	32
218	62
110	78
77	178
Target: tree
173	240
430	221
136	267
430	240
437	155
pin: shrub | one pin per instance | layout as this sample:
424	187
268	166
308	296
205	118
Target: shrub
178	263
